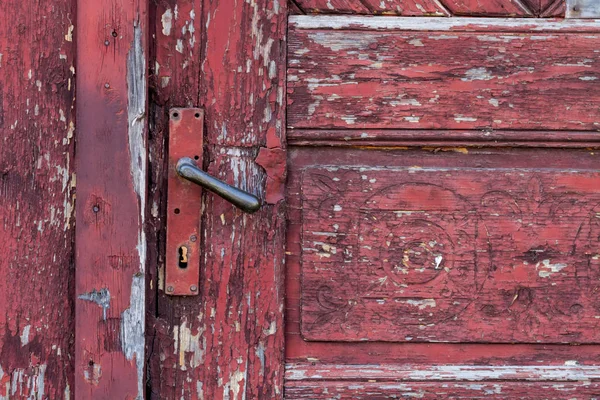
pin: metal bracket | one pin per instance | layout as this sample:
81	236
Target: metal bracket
182	268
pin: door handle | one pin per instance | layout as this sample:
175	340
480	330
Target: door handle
187	169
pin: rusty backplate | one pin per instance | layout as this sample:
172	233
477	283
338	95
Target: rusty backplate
182	269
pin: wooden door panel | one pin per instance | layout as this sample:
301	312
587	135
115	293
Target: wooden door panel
436	390
450	79
457	255
505	8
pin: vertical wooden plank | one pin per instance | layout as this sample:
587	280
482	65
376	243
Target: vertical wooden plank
174	82
226	343
243	82
111	169
36	199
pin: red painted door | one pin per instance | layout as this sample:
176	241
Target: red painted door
429	181
443	197
440	227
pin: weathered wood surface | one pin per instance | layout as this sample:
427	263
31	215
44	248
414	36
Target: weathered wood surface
360	390
443	80
317	372
111	199
583	9
505	8
498	255
441	139
375	381
226	343
525	161
429	24
36	199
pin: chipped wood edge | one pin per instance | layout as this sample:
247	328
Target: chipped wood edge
378	23
583	9
569	372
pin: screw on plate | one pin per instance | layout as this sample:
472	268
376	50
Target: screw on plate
170	289
194	288
193	238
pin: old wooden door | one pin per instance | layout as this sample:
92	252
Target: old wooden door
443	201
442	234
430	220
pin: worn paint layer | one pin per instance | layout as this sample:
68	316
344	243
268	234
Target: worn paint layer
442	80
229	59
36	199
111	170
446	8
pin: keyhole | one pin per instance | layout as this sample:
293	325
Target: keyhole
183	257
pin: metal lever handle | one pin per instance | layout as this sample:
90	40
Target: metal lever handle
187	169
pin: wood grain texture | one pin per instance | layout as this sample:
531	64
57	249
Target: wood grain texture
333	6
525	161
111	199
226	343
449	255
36	199
556	9
360	390
442	81
328	381
506	8
497	8
464	24
441	139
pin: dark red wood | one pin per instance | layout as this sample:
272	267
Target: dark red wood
441	140
37	180
227	342
432	8
449	255
496	8
184	204
111	199
333	6
425	80
523	160
361	390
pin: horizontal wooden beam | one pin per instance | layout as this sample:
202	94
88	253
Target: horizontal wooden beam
356	22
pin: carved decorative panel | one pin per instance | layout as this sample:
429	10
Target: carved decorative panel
469	255
488	8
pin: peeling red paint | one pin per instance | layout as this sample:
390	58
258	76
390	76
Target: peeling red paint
274	163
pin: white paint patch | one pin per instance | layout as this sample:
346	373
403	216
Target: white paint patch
337	207
25	335
588	78
583	9
421	303
132	329
69	35
416	43
132	319
546	269
188	343
167	22
478	74
462	118
100	297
